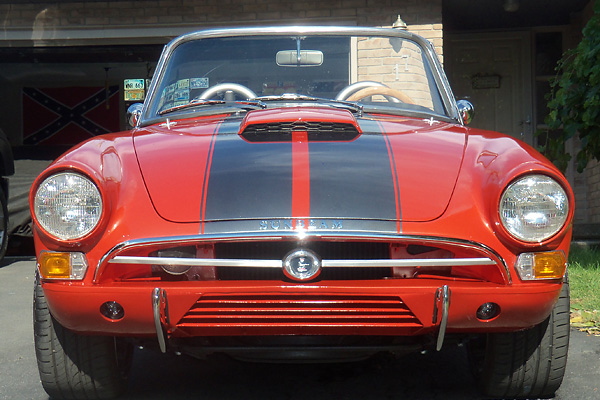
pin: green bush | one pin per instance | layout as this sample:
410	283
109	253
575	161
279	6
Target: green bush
574	100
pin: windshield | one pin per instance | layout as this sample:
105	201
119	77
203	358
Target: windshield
375	74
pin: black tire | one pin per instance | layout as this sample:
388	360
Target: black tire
3	224
73	366
524	364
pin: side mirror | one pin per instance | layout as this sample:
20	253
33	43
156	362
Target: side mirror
134	112
466	111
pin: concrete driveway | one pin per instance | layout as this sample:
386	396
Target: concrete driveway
443	375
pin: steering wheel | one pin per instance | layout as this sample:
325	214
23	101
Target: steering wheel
383	91
230	89
355	87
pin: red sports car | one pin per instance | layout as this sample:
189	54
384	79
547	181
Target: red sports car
306	193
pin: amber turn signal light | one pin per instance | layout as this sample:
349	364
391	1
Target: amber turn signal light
70	266
543	265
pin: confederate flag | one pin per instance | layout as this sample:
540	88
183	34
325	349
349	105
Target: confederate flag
67	116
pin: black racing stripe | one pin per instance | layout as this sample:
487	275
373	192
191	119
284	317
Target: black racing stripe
353	179
394	171
206	175
248	180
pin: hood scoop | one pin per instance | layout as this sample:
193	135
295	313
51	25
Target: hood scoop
277	125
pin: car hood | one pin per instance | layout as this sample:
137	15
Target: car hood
300	164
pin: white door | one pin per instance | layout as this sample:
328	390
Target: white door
493	71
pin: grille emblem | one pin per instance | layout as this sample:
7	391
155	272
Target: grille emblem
301	265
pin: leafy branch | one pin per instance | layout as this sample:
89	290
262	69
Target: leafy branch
574	100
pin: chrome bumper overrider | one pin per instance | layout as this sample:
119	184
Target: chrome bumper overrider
160	308
442	295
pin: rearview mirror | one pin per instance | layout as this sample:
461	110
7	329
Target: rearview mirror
302	58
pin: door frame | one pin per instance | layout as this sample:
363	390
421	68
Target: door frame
525	114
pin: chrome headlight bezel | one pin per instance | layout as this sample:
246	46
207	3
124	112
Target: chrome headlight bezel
533	208
68	205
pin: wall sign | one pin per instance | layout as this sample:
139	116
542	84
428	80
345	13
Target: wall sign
485	81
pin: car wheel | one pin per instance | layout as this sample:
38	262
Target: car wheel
73	366
524	364
3	224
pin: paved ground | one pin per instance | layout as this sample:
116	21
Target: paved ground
441	375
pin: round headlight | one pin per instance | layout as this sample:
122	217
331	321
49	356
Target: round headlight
534	208
67	205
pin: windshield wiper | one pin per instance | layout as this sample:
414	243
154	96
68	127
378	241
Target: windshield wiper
245	104
358	108
192	103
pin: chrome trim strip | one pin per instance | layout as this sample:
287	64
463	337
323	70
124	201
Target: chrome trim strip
415	262
225	262
300	236
197	262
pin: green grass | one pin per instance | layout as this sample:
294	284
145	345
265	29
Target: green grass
584	277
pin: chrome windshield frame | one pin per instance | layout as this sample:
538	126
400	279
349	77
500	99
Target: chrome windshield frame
441	81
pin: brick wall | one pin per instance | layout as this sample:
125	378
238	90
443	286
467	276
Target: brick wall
26	23
422	16
398	65
592	174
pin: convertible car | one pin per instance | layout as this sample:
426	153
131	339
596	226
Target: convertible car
301	193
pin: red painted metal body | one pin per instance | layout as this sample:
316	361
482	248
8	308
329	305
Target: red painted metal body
155	182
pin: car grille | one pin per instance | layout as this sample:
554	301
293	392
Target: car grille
294	310
325	250
262	261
